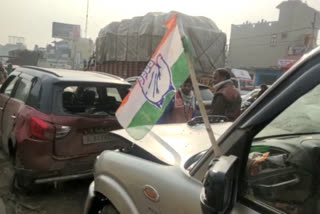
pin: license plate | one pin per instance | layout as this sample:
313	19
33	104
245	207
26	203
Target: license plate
96	138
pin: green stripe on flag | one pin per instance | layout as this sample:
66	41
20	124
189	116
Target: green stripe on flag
179	71
149	114
146	117
186	45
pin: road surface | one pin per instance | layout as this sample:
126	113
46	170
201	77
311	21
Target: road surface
68	197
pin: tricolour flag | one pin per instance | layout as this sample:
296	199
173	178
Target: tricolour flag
153	90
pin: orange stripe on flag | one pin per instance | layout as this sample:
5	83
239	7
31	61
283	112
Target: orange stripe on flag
124	101
170	23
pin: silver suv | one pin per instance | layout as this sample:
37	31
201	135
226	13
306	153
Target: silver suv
270	161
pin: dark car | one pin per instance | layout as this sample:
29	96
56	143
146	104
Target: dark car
55	122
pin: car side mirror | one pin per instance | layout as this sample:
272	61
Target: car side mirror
219	185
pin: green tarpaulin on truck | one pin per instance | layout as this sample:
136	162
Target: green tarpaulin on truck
134	40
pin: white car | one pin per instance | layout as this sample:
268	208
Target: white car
246	97
269	163
160	161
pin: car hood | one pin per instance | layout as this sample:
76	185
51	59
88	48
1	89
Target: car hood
175	143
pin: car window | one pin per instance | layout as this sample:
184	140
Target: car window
283	163
9	85
35	94
301	117
23	89
113	92
89	99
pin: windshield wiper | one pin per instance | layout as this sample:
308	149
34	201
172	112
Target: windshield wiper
291	135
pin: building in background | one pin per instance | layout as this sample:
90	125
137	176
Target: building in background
82	50
269	47
57	55
24	57
14	43
69	50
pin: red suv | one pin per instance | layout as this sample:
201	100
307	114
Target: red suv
53	122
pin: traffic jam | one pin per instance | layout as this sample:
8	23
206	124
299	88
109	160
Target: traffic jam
161	113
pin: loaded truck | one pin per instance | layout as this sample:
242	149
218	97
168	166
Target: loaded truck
124	48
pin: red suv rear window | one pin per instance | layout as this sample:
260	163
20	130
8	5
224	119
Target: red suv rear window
90	99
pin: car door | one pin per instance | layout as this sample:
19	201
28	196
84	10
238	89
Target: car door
5	93
13	107
277	144
280	156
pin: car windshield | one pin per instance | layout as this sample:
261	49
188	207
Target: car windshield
302	117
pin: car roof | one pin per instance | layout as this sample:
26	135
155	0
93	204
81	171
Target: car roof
74	75
132	78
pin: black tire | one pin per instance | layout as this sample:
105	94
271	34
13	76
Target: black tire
15	186
12	153
109	209
24	185
19	184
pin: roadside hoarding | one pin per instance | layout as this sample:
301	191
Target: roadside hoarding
65	31
287	62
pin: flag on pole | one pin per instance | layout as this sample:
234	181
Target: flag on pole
153	90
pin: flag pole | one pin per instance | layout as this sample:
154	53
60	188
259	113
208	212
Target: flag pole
203	111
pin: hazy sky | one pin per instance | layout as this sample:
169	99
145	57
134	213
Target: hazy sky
33	19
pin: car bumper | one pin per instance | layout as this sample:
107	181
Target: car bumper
36	163
90	199
39	177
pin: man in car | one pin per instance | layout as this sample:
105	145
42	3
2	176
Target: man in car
182	107
227	99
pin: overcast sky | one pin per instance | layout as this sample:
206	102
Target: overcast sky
33	19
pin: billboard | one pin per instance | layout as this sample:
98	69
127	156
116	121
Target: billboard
288	61
65	31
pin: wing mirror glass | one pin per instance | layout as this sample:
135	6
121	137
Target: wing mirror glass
219	184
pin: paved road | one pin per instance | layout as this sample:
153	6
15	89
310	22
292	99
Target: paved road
68	198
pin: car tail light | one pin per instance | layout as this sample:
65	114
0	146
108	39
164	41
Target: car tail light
38	128
62	131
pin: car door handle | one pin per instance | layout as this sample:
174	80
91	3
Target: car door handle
1	108
13	117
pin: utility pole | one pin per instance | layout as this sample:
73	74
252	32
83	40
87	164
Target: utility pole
313	37
86	27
